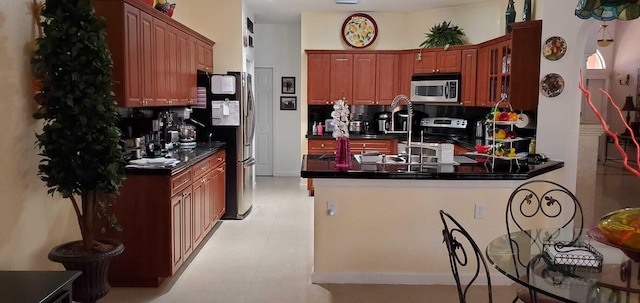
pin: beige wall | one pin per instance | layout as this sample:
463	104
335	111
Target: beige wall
220	21
391	229
31	222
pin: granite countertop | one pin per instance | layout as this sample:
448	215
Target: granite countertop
187	157
329	136
323	166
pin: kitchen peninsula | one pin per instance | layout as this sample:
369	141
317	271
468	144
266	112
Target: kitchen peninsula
378	223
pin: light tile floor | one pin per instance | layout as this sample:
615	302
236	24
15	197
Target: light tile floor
268	256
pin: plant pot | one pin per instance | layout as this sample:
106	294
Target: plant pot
92	284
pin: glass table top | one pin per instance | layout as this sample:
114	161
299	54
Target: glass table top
521	259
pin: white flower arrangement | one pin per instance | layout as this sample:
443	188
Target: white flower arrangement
340	122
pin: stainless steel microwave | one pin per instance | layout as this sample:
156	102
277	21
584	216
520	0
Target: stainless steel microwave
435	88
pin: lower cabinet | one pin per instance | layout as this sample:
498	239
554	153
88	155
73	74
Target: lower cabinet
164	219
358	146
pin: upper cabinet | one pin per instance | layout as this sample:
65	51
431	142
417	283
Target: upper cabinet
468	77
341	80
364	79
318	76
387	73
155	58
436	60
509	67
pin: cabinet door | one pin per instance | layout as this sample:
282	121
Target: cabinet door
176	232
198	210
318	76
133	65
449	61
469	68
161	79
341	77
183	69
208	58
208	203
219	192
172	63
364	79
187	223
406	72
192	70
482	83
147	59
387	78
426	62
200	50
362	146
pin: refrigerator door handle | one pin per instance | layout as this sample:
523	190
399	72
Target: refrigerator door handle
248	162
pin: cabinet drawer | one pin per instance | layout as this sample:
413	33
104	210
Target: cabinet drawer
360	146
322	147
180	181
218	158
201	167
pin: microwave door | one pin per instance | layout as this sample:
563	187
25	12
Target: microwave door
446	91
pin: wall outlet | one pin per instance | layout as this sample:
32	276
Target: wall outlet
331	208
479	212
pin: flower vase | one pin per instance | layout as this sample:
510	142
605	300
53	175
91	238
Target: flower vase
343	153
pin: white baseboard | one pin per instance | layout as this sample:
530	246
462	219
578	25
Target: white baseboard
401	278
293	173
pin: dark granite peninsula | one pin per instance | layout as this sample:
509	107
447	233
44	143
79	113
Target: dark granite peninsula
379	223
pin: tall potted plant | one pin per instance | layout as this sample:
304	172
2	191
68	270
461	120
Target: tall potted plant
80	140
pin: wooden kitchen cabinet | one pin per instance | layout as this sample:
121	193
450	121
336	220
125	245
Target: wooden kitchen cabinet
318	78
164	219
438	61
341	80
387	83
509	67
364	79
132	59
153	55
468	77
407	60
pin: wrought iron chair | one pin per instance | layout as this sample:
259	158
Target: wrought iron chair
528	204
458	256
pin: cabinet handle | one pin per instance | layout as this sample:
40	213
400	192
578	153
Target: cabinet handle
341	59
203	168
322	145
184	194
437	70
220	169
219	159
433	70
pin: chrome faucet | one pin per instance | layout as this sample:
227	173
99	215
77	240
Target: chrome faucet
395	102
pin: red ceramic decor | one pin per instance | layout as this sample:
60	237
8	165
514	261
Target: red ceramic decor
150	2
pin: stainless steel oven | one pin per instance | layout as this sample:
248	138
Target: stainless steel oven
435	88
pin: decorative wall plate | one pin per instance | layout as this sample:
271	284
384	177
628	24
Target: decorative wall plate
552	85
359	30
554	48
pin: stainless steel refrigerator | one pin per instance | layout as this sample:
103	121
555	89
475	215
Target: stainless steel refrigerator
230	117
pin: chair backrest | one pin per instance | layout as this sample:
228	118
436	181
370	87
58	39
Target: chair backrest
538	200
460	257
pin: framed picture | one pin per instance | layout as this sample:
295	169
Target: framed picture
288	85
250	25
288	103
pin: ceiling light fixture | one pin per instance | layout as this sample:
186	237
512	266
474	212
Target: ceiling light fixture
604	37
346	1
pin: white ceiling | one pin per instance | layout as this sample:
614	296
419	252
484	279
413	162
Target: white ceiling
288	11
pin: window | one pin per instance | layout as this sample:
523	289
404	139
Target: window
595	61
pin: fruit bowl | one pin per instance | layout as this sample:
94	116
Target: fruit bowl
622	227
597	235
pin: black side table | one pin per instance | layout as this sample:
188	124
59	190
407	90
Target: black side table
37	286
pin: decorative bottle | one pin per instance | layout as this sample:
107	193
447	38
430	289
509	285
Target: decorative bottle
510	16
526	11
314	128
320	129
